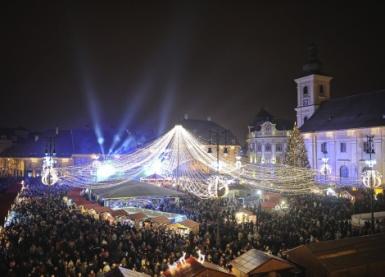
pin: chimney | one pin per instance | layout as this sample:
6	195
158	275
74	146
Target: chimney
185	116
209	118
36	138
57	131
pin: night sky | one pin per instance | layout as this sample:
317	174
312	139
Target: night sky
147	63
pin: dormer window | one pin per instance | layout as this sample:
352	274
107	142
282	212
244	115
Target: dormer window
268	128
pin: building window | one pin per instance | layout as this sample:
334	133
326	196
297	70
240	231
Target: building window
343	147
305	102
368	147
305	91
321	90
278	147
259	147
344	172
305	118
267	147
324	148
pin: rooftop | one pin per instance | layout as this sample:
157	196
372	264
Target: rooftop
201	129
343	254
256	261
356	111
132	188
263	116
67	143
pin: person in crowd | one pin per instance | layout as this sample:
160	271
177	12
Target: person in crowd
48	238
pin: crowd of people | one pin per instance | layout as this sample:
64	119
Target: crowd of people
47	237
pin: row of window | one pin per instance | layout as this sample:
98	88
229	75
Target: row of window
366	146
324	147
321	90
306	100
268	147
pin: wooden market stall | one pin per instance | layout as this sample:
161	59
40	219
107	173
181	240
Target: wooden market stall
194	268
245	216
258	263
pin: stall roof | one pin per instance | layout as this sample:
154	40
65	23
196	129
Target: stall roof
340	255
154	213
256	261
137	216
118	213
160	220
189	223
196	268
132	189
124	272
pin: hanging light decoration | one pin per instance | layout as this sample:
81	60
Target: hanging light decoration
181	157
49	174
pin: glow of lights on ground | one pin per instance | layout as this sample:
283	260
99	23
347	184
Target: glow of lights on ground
182	158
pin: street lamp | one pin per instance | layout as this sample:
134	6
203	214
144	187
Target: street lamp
325	168
370	177
217	134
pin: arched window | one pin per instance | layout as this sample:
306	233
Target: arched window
344	171
267	147
305	91
321	90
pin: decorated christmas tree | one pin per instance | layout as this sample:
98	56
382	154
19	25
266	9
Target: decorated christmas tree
296	154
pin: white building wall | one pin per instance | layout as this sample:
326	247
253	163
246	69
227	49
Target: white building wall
354	158
267	135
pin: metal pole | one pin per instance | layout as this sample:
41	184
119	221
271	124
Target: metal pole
217	153
177	166
370	141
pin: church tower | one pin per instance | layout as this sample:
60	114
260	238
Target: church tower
313	88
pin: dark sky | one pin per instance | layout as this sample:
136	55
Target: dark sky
150	62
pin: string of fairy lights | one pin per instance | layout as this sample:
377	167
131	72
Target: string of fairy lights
182	158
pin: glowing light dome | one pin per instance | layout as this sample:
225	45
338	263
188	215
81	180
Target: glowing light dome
104	171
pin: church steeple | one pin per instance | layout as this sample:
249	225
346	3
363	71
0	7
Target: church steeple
313	88
313	64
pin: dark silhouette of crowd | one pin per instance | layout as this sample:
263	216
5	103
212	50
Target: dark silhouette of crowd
48	238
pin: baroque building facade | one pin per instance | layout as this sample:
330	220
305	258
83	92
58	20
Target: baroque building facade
341	134
267	139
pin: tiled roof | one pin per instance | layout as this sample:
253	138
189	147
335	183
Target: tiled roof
356	111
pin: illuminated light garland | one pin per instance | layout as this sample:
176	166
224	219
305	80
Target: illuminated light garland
325	167
182	158
49	175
